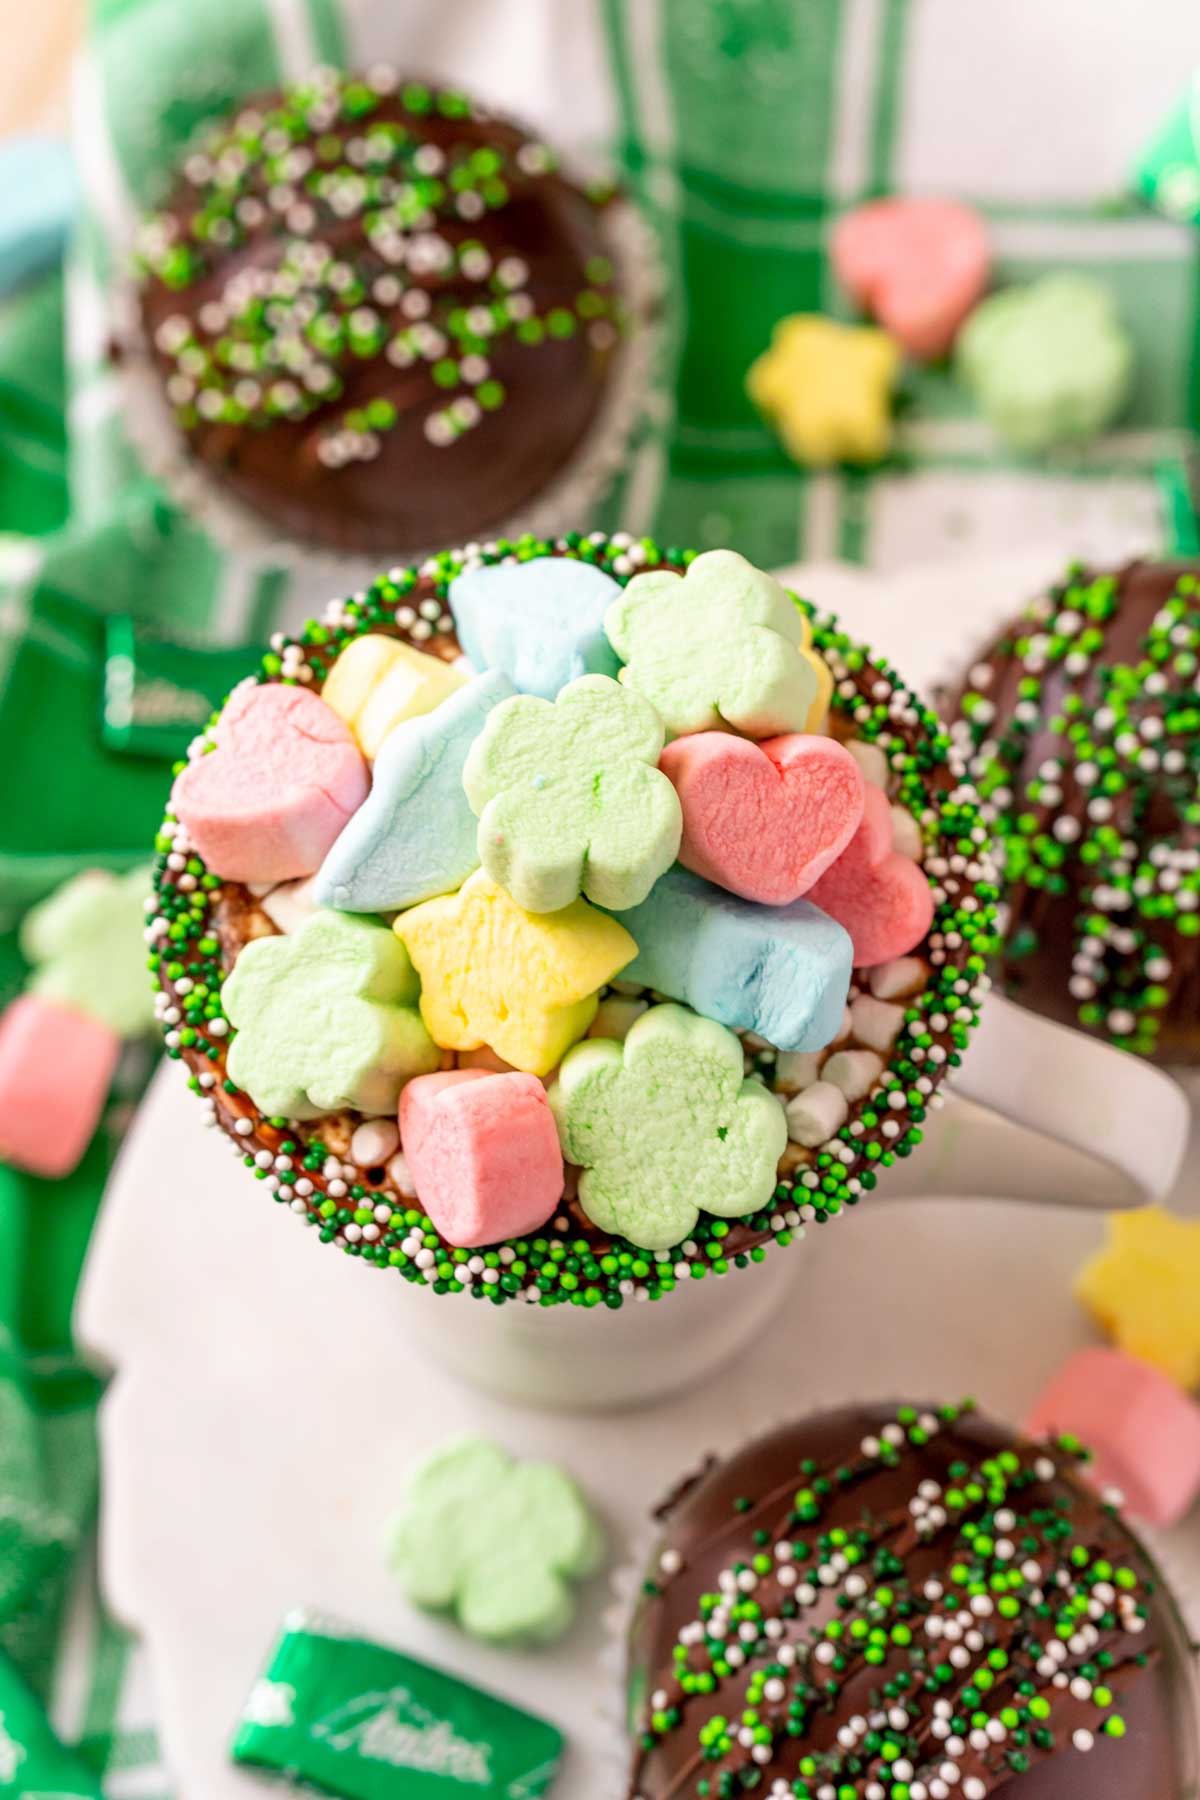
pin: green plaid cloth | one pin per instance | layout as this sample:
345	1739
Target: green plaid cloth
745	127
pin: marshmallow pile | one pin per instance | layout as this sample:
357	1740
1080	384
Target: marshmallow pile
612	784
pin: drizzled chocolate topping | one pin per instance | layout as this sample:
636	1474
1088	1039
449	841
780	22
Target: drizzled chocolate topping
901	1604
384	317
1080	726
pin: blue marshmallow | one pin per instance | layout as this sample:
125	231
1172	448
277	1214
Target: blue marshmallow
414	836
542	622
39	200
782	971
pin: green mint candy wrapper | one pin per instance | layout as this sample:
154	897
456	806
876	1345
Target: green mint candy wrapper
1168	173
33	1764
342	1716
158	694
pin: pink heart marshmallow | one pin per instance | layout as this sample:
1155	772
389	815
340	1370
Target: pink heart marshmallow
917	266
880	897
284	778
764	820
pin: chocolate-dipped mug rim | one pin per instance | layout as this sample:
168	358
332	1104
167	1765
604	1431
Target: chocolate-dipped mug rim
200	922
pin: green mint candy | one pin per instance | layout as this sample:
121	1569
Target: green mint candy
1168	171
33	1764
335	1713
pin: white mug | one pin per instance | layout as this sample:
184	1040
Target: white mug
1037	1112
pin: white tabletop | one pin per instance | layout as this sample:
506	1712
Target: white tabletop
271	1394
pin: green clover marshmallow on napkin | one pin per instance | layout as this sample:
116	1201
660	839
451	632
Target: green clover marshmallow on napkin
1049	363
326	1018
570	799
496	1541
666	1126
87	946
717	646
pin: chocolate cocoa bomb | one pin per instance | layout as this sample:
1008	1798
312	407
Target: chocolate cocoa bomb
1080	726
904	1603
383	318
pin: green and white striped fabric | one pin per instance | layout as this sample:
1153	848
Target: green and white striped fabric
745	127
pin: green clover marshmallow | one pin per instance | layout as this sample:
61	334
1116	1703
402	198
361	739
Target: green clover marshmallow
719	645
665	1126
326	1019
496	1541
1049	363
570	799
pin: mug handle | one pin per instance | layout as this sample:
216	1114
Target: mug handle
1041	1112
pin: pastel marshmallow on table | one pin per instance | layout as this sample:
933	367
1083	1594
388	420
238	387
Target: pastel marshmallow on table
483	1153
716	646
500	1544
325	1019
882	898
40	198
764	820
1143	1431
853	1072
666	1126
917	266
781	971
1141	1288
290	904
56	1066
525	984
817	1114
540	622
267	802
414	836
570	798
1048	363
378	681
87	944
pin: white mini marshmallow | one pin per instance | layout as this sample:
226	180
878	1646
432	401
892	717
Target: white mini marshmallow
855	1072
902	976
816	1115
796	1070
876	1023
373	1142
906	834
288	905
871	760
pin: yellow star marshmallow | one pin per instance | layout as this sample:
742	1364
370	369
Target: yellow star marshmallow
525	984
819	710
1143	1288
827	389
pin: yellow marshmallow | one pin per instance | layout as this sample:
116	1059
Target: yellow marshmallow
525	984
378	681
1143	1288
827	389
818	712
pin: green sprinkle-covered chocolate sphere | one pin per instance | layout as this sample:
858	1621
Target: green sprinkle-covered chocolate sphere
383	318
904	1603
1080	727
